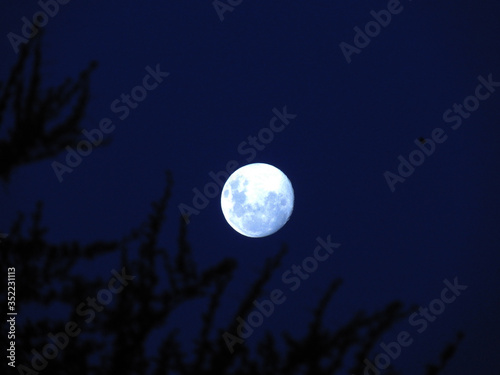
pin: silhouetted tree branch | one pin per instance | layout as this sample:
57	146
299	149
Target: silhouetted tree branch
447	354
40	131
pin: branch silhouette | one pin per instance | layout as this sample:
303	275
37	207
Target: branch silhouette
40	130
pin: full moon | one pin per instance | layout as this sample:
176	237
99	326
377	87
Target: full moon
257	200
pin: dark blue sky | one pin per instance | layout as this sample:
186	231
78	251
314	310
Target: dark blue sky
352	122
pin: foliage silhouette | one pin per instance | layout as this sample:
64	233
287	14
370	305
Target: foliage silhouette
40	131
114	341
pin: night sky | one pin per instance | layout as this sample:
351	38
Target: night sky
218	79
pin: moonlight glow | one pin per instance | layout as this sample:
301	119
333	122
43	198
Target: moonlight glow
257	200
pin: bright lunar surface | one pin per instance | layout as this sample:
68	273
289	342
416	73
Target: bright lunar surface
257	200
